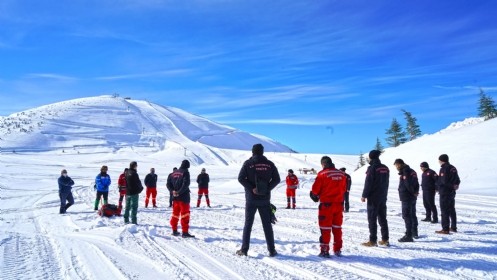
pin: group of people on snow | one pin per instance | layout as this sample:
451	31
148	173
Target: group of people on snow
259	176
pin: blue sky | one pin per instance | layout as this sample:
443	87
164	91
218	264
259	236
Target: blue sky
318	76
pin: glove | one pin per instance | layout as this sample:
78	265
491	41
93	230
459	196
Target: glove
314	197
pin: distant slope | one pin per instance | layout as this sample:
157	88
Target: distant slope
115	122
471	146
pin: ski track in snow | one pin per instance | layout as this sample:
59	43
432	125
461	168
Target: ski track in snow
38	243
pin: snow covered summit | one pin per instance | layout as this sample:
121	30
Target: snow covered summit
114	122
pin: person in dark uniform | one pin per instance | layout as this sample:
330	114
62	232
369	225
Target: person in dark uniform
258	176
376	192
408	193
429	179
346	195
448	183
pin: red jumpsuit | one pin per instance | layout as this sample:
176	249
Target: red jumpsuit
292	182
121	184
330	186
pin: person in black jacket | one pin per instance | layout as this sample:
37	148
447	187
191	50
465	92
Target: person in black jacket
133	188
346	195
259	176
65	193
408	193
429	179
151	184
375	192
170	189
203	187
448	184
179	182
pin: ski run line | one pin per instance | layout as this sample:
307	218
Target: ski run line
297	271
214	270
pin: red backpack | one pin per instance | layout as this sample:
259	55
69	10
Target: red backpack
109	210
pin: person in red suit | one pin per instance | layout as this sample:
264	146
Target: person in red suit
121	184
292	183
328	188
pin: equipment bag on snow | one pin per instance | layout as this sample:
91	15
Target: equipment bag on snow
109	210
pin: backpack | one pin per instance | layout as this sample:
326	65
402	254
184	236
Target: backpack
109	210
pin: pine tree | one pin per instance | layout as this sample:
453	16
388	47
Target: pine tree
412	128
395	133
378	145
486	108
362	161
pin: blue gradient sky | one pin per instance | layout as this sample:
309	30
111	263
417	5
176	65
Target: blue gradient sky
319	76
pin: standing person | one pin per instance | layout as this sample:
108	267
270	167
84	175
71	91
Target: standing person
179	182
429	179
292	183
408	194
346	195
258	176
65	193
102	183
133	189
375	192
448	184
151	184
203	187
329	188
121	184
170	188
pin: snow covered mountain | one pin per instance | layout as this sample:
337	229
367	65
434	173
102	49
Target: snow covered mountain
115	123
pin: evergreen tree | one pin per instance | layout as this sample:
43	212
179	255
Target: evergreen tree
362	161
412	128
378	145
396	134
486	108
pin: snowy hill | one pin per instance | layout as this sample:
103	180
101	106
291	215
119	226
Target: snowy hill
116	123
38	243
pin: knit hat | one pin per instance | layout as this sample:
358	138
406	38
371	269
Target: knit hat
63	171
443	158
374	154
343	169
185	164
424	164
133	165
258	149
290	171
398	161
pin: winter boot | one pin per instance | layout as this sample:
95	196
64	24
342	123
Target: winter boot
442	231
187	235
384	243
241	253
198	203
370	244
406	238
96	204
427	219
324	254
338	253
273	253
415	234
208	203
175	233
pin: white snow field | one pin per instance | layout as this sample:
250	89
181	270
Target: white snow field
38	243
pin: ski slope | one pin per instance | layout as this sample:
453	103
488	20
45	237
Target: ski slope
38	243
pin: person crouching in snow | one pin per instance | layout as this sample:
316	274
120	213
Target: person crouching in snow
203	187
328	189
133	189
151	184
65	194
292	183
179	182
121	184
102	182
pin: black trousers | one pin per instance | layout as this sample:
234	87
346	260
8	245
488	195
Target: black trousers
377	212
264	208
346	201
429	204
448	209
66	200
409	216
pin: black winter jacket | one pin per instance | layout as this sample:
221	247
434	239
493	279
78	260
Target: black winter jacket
133	182
408	184
151	180
203	180
448	179
429	180
376	183
179	181
265	170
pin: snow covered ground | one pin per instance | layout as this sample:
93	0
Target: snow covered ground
38	243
